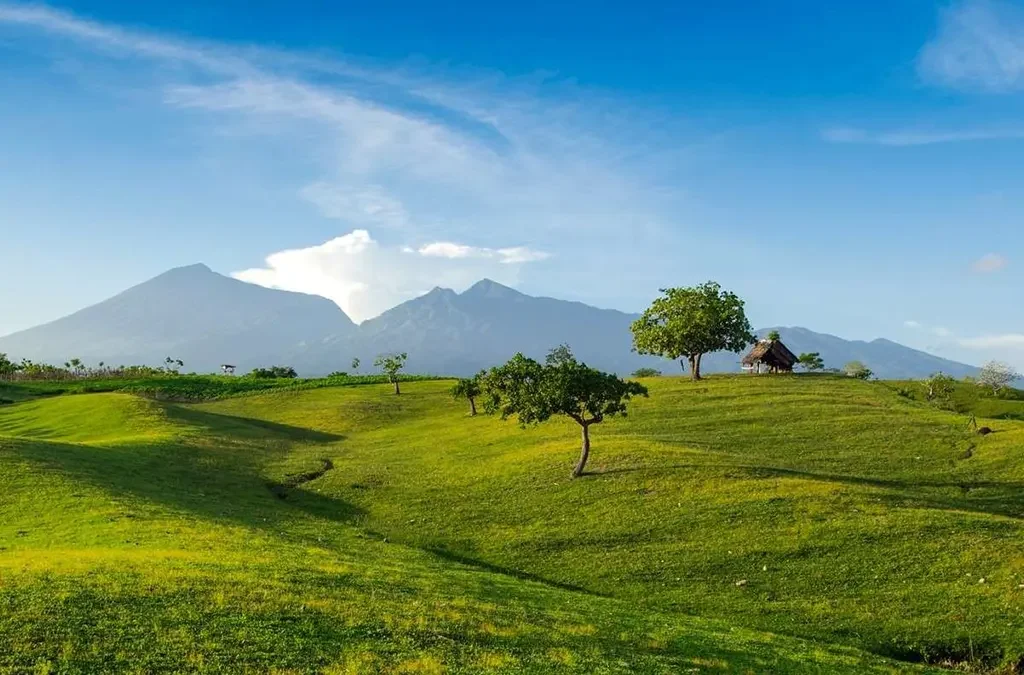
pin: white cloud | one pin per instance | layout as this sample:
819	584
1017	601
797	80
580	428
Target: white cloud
979	46
447	249
913	137
365	278
912	324
991	262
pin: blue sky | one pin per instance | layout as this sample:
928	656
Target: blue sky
855	169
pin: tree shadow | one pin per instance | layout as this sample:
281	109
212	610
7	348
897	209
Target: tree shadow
245	427
452	556
220	484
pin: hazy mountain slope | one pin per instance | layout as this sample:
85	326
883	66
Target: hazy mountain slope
191	313
445	332
207	319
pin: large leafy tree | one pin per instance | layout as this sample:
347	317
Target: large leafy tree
468	388
535	392
391	365
692	322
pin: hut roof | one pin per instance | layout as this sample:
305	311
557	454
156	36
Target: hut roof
771	352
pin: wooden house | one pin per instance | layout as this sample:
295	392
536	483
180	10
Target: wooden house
769	356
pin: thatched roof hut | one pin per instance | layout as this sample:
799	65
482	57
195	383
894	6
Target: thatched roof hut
771	355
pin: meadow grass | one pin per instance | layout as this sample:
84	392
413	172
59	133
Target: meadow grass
772	524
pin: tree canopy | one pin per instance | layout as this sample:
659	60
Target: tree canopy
774	335
939	388
858	370
535	392
996	375
692	322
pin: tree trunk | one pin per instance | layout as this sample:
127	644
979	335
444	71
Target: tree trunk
472	407
397	390
694	366
584	452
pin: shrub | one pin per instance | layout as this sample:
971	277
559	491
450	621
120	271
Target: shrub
858	370
274	373
646	372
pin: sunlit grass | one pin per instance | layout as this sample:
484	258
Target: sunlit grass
137	535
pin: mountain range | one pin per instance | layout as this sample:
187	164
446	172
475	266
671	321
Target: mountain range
207	319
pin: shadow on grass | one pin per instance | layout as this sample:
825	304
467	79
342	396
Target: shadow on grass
218	478
999	498
452	556
219	424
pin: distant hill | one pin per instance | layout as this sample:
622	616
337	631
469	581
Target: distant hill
190	313
207	319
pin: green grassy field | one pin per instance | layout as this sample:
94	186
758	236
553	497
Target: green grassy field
741	524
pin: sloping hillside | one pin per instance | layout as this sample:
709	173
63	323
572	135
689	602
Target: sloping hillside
149	537
814	506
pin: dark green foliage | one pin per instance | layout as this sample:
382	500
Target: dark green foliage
561	386
692	322
166	387
811	361
274	372
338	374
646	372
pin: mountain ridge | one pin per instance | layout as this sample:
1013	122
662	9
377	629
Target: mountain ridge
206	319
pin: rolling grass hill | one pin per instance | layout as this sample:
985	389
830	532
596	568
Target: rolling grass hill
774	524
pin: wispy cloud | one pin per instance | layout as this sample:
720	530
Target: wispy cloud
512	255
979	46
990	262
411	154
1007	340
912	137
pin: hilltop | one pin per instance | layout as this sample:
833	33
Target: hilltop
783	524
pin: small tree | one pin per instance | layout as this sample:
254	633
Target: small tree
355	365
811	361
468	388
692	322
774	335
561	386
858	370
939	388
646	372
996	375
391	365
7	367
